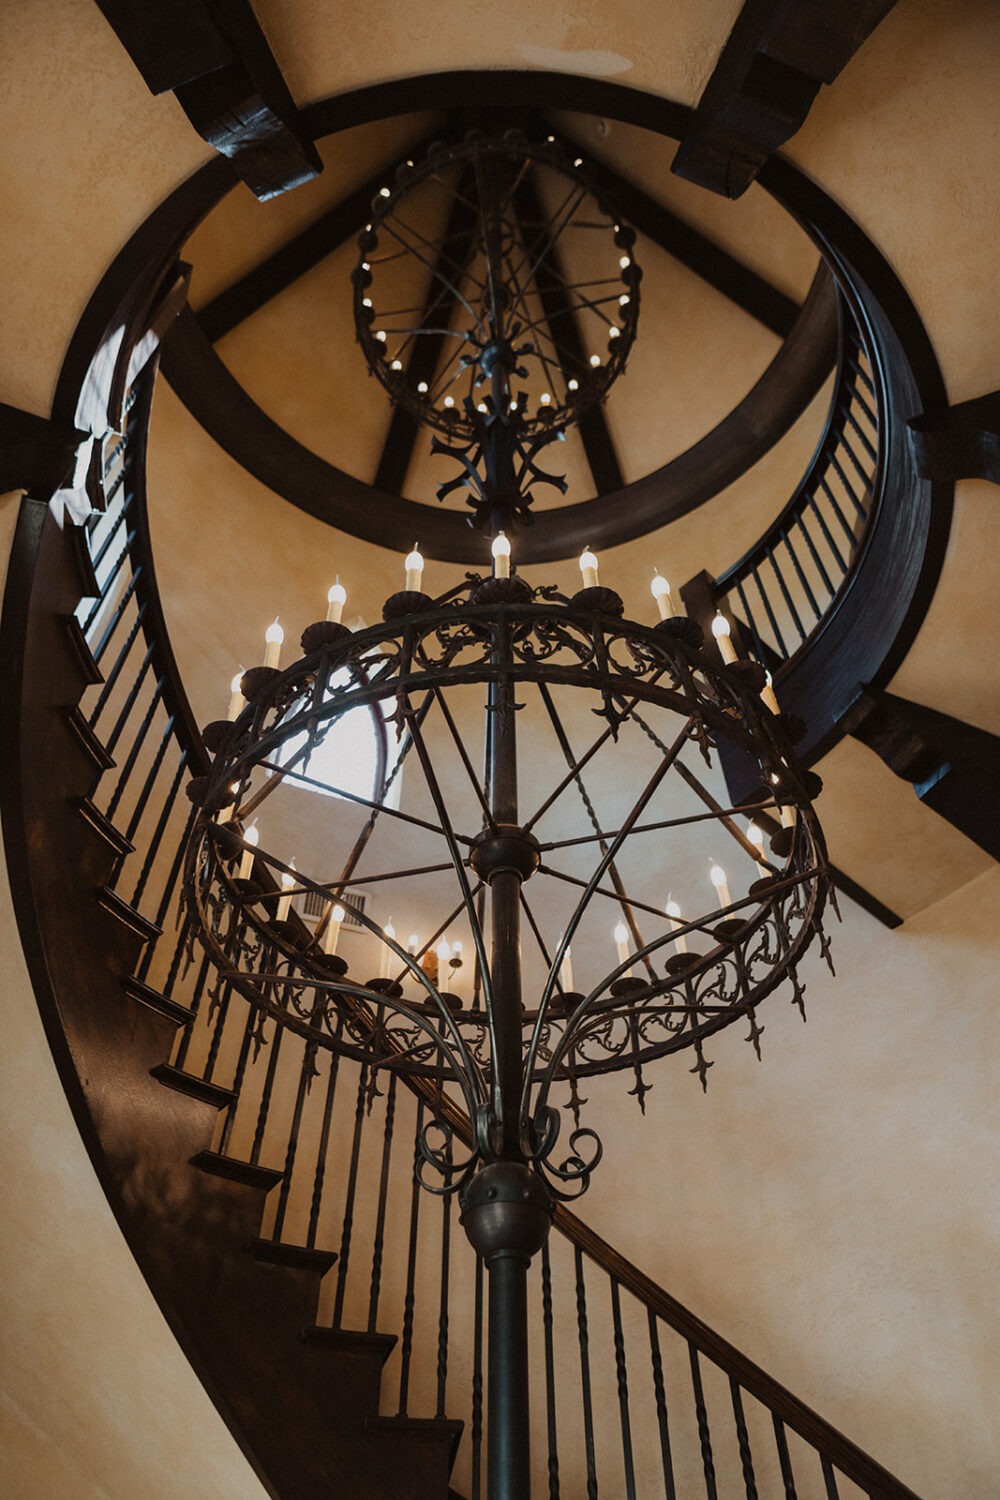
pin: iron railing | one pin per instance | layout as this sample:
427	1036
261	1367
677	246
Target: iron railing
785	585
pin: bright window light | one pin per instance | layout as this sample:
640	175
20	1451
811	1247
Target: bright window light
346	758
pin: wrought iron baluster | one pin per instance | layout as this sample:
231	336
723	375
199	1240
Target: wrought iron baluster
588	1409
270	1073
383	1195
307	1072
550	1376
147	786
827	537
784	1461
253	1018
803	580
814	554
194	1006
104	547
835	507
112	678
621	1373
660	1395
117	567
778	638
743	1438
347	1229
173	875
758	644
829	1479
130	701
701	1416
442	1346
323	1147
846	483
790	603
410	1296
863	474
137	743
863	437
218	1030
477	1386
156	839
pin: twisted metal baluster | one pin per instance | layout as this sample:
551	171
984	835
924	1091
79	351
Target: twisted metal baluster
660	1394
621	1372
743	1437
701	1413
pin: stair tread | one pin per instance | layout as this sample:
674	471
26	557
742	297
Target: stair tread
118	907
280	1253
102	825
91	742
92	673
144	994
234	1170
189	1083
350	1341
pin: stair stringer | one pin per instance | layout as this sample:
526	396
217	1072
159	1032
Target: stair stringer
303	1412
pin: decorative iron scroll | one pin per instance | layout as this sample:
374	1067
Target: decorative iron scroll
676	987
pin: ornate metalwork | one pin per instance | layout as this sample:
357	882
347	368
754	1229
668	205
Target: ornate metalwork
653	684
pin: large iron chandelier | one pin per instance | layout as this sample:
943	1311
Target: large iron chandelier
469	691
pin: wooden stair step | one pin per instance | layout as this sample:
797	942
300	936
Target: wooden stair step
435	1429
348	1341
118	844
252	1174
83	656
144	994
190	1083
94	747
127	915
79	547
303	1257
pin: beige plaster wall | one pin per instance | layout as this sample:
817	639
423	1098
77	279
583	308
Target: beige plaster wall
97	1402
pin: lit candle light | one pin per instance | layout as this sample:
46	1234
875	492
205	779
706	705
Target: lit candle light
588	569
501	556
717	876
566	971
414	571
621	942
285	903
389	932
412	945
787	815
335	600
660	590
756	837
443	951
333	925
724	640
252	837
676	920
273	638
768	696
237	702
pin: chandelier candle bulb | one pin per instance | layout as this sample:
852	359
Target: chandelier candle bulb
385	957
412	945
787	815
724	639
252	837
501	556
676	920
566	972
769	697
332	934
660	590
335	600
273	639
237	702
414	571
285	903
621	942
588	569
717	876
443	951
756	837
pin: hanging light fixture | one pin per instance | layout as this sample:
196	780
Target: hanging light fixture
539	664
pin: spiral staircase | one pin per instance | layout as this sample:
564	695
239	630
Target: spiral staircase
269	1195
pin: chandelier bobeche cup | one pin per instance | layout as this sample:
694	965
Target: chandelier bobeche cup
462	689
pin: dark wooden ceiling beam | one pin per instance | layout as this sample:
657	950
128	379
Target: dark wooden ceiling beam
962	442
746	288
953	767
563	324
294	259
777	57
215	57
